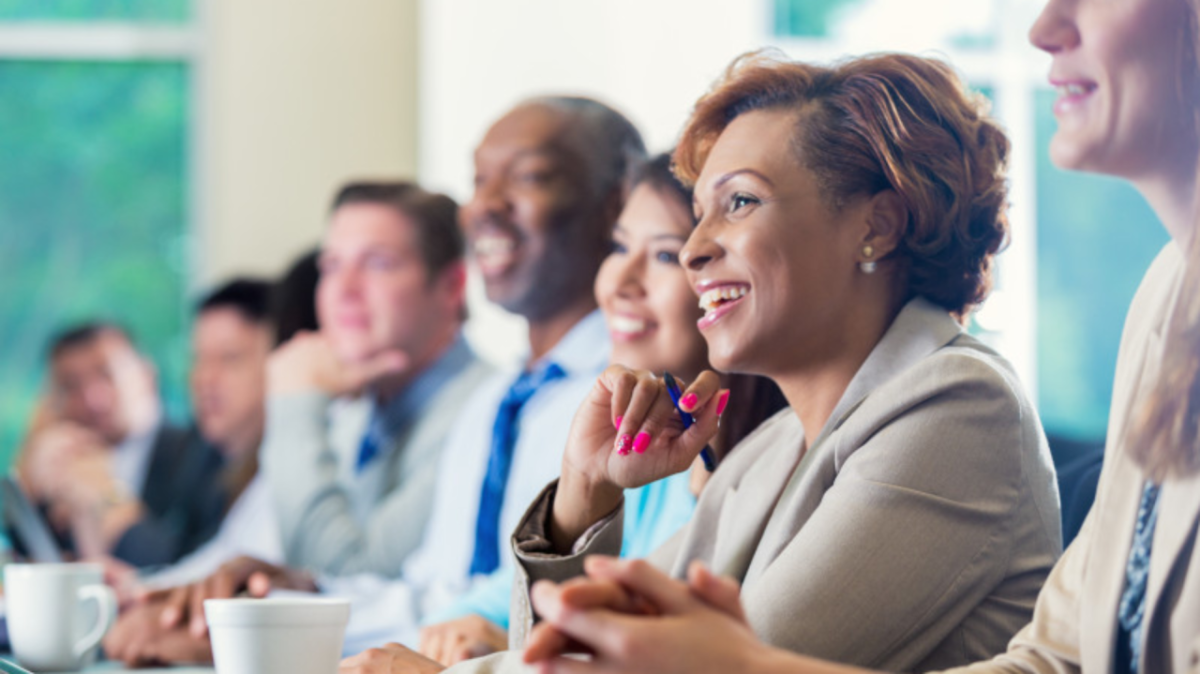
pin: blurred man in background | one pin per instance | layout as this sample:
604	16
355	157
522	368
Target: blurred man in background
358	412
100	457
232	337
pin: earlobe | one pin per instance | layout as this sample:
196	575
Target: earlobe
887	221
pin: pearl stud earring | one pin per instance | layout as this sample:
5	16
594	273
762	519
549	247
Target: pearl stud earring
867	267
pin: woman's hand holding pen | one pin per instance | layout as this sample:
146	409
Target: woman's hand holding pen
627	433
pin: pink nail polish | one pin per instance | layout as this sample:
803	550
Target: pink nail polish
618	422
722	402
688	402
641	442
623	444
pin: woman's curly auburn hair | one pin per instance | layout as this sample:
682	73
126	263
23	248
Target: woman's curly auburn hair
890	121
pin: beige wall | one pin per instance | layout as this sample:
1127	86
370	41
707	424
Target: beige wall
293	98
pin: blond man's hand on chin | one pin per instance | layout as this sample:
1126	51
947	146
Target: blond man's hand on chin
308	362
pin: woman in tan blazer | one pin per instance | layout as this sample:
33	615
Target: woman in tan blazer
1126	595
902	512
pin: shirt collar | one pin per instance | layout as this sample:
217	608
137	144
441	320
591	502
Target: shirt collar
583	351
409	403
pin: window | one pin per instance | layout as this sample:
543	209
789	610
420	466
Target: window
93	189
158	11
1096	237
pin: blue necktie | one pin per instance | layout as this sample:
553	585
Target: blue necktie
368	449
1132	609
504	438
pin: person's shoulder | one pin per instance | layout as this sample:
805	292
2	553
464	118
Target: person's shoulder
461	390
1153	297
175	435
1164	271
965	371
475	376
180	442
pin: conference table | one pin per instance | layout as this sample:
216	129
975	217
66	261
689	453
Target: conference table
108	667
118	668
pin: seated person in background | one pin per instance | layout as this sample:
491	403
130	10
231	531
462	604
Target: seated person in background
552	176
101	458
232	336
651	316
358	413
903	511
375	391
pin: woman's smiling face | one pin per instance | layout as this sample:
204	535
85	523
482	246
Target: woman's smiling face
649	306
1126	99
773	264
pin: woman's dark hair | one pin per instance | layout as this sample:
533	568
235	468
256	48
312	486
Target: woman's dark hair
657	173
892	121
294	298
755	399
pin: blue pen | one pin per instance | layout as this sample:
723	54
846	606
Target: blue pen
706	454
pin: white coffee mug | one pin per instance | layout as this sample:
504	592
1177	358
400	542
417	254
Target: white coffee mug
50	624
297	635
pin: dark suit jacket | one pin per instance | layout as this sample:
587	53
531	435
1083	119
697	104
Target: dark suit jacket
184	497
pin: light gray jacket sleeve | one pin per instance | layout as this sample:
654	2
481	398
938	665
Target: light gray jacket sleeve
536	559
316	515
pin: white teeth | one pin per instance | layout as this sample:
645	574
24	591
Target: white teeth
1073	89
711	299
493	245
627	324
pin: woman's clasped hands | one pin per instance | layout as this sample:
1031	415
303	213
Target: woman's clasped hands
630	617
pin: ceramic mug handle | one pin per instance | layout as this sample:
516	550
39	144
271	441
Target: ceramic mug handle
106	605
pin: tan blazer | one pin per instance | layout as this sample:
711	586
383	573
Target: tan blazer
914	533
1074	627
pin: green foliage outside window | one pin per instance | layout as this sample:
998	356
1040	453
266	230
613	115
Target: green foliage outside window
92	216
807	18
156	11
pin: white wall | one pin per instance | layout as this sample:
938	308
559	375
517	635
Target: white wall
650	60
294	98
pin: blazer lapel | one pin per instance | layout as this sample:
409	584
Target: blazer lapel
1178	508
1117	518
918	330
740	496
1107	558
